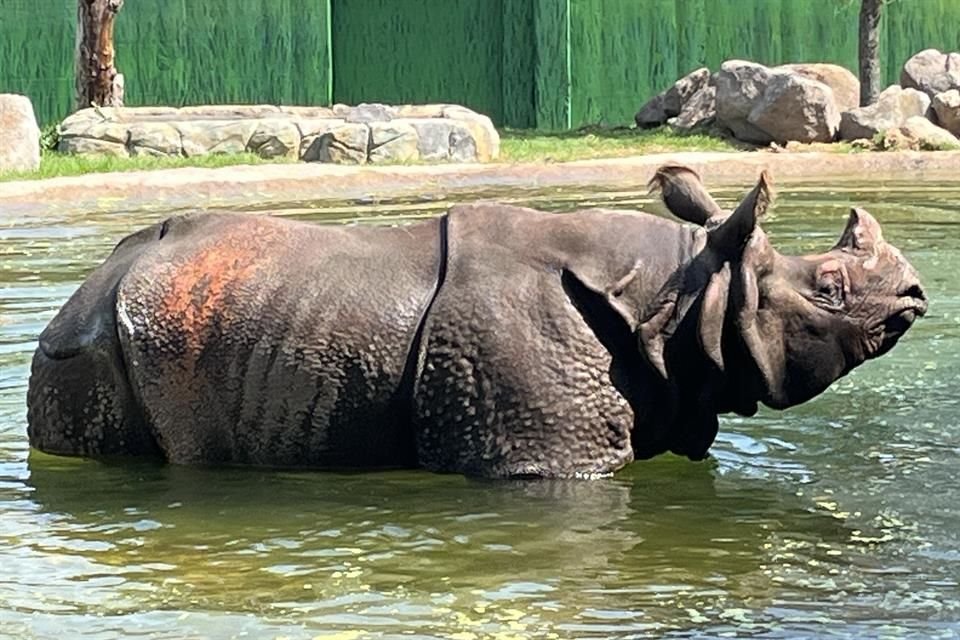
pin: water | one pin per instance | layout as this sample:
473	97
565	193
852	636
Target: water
839	518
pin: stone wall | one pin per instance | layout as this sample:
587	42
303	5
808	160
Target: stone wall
367	133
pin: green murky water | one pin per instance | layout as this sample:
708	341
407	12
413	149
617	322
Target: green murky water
838	518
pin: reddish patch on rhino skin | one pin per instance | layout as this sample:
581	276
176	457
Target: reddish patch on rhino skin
195	289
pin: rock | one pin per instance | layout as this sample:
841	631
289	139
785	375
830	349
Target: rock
683	89
308	112
932	72
893	108
895	140
845	86
928	135
392	142
479	128
466	145
19	134
80	145
274	138
228	111
794	107
328	140
421	110
368	113
89	137
862	144
670	103
153	139
433	137
699	110
202	137
740	84
653	113
947	107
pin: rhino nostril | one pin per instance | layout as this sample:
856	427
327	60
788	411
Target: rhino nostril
914	291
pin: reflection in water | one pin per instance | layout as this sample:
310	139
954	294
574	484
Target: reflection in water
838	517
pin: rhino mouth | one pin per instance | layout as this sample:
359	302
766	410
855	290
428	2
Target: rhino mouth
911	306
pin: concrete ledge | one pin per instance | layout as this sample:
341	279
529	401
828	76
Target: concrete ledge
265	186
367	133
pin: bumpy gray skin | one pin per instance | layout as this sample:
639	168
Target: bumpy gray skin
493	341
241	340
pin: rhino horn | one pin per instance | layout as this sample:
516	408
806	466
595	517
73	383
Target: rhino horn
862	232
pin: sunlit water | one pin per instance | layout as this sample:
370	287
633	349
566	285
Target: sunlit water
837	518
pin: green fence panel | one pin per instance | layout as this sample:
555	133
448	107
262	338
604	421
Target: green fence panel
691	34
527	63
552	64
400	51
518	58
36	53
620	49
224	51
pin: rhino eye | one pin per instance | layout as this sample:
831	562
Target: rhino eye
830	288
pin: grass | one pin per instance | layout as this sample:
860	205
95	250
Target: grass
54	165
593	142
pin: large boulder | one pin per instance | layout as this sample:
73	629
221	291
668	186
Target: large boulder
699	110
762	105
670	103
845	86
917	134
928	135
19	134
947	107
676	96
797	108
740	84
893	108
932	72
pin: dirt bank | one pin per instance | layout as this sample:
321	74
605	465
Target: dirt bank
264	186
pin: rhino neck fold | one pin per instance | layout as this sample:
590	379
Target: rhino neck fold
415	353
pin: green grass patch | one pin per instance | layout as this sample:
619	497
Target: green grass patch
584	144
54	165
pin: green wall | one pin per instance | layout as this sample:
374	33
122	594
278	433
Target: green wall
550	64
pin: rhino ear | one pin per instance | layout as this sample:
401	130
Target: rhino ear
684	194
713	312
862	232
731	235
663	316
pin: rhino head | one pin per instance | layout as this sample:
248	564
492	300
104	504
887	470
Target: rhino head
770	328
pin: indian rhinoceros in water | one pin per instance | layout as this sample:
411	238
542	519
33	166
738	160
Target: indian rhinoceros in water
493	340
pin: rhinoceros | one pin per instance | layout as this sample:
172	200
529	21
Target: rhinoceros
493	340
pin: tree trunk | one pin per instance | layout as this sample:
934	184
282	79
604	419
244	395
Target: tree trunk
869	51
98	82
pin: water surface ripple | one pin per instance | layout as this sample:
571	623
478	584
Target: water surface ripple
839	518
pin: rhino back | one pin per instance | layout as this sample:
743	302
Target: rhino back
259	340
